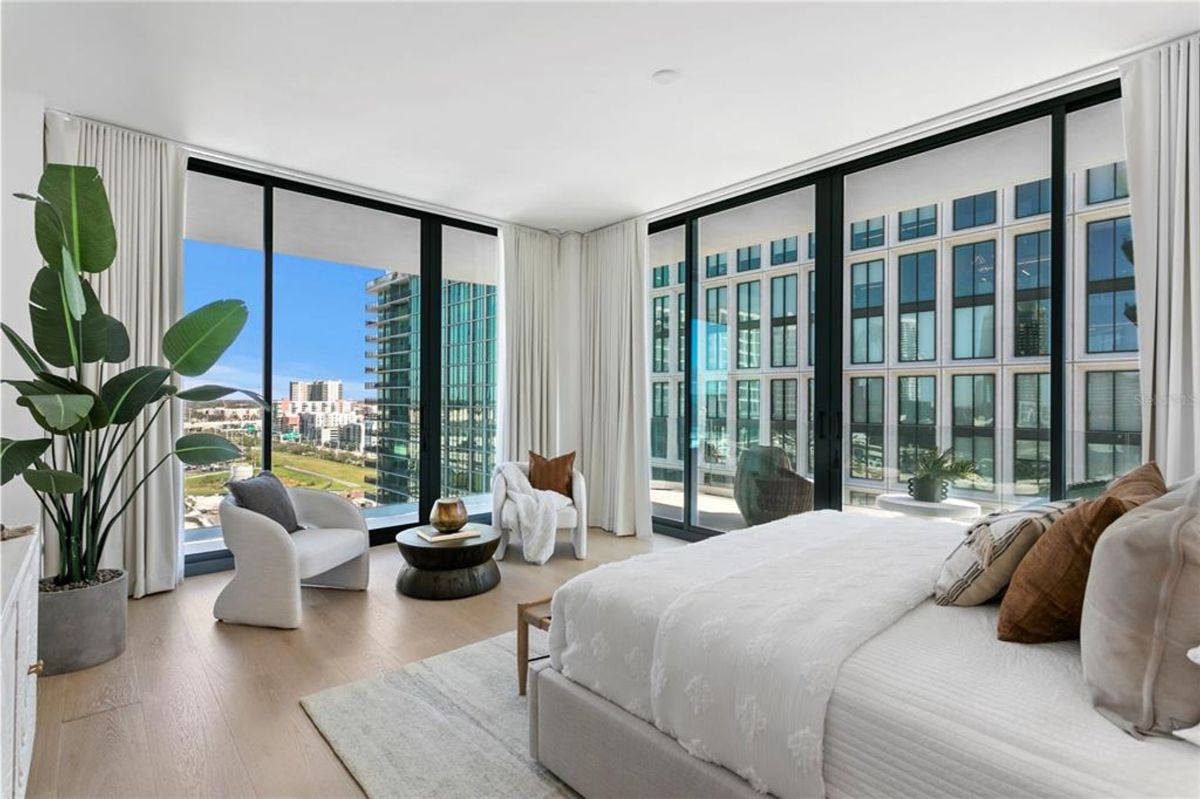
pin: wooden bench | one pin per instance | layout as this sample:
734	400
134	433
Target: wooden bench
535	613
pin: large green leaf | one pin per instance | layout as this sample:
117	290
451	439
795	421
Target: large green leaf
53	481
117	349
97	416
76	303
56	335
28	354
17	456
127	394
77	194
201	449
209	392
61	412
195	342
59	405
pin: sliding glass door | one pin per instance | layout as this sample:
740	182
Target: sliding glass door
972	291
946	318
375	395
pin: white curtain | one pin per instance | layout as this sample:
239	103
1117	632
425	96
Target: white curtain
532	323
144	177
1160	94
615	421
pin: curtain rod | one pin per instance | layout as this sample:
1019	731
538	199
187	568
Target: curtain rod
295	174
1079	79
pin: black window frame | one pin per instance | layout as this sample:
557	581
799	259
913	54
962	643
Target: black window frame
784	431
1111	286
872	233
923	223
826	247
1039	293
1119	177
749	325
912	434
660	334
975	300
973	430
1038	433
784	325
1113	436
865	427
785	251
972	201
1042	198
869	311
915	307
432	223
749	258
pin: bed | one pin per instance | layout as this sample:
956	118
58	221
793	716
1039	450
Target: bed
803	658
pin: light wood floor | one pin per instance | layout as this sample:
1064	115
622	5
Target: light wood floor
199	708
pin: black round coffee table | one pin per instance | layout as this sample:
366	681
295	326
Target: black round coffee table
447	569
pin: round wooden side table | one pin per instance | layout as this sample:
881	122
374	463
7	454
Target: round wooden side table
447	569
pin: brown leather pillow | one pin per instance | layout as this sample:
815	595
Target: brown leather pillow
1044	601
551	474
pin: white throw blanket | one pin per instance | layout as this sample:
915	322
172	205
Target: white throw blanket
536	513
736	642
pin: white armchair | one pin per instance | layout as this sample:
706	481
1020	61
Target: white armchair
572	517
271	564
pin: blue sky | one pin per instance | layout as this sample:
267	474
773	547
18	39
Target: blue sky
320	318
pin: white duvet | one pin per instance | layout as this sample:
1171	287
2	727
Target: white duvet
733	645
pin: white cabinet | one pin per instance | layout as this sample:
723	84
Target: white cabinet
20	667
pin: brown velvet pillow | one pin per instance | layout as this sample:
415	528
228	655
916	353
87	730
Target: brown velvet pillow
551	474
1044	601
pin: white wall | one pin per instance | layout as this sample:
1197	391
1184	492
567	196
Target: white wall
570	253
20	170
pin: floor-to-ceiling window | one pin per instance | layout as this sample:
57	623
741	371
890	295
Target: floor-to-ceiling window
339	341
470	276
668	391
753	331
1104	395
972	292
223	258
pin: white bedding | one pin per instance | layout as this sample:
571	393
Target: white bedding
936	706
929	704
732	646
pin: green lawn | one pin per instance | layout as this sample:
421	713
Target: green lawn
303	471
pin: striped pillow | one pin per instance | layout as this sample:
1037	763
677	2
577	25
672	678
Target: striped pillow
981	566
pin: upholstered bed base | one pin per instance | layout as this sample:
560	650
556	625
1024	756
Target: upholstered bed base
602	751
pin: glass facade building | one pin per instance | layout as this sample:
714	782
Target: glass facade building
468	387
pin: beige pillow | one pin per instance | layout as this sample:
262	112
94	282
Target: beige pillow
1141	615
981	566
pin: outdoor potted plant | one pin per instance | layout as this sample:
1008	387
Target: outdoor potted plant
932	472
88	405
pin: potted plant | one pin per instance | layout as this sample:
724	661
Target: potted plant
933	470
89	406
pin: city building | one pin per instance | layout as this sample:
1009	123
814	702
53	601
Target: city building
946	323
309	390
468	387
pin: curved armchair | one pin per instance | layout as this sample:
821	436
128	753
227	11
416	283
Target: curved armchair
270	564
572	517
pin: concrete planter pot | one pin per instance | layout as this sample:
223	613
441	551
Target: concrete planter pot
927	489
82	627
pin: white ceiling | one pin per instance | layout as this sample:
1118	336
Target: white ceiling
545	114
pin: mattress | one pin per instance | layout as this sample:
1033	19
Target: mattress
936	706
932	705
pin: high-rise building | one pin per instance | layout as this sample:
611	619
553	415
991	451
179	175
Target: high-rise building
315	390
468	387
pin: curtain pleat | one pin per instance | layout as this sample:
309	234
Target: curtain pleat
615	420
531	329
144	178
1160	99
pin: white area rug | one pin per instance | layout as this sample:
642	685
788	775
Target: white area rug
448	726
